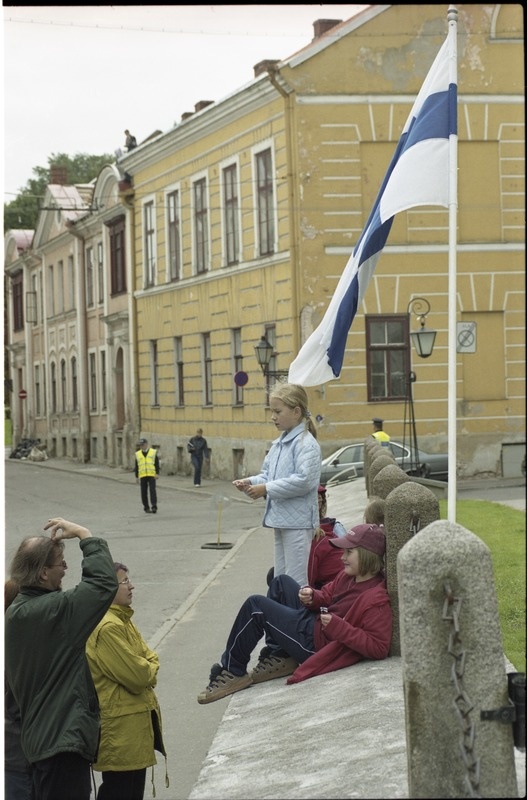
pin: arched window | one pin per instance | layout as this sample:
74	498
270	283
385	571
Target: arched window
53	388
63	385
74	387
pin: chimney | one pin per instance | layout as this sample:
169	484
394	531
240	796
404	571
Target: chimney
202	104
321	26
58	175
263	66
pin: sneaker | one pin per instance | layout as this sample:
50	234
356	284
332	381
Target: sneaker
222	685
154	509
197	484
273	667
147	511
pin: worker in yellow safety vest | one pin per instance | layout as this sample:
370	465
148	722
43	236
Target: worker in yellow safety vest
378	433
146	474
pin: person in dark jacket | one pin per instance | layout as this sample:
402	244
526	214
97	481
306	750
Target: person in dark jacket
17	769
198	449
311	631
46	630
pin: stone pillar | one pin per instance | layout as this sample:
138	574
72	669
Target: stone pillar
409	508
378	462
371	450
385	480
453	667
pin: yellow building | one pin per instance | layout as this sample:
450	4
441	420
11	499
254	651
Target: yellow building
246	212
238	223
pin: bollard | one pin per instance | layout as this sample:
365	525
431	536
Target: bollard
453	667
387	479
410	507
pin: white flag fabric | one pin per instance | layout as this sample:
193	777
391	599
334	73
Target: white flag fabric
418	175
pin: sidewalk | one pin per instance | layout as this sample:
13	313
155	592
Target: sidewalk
339	735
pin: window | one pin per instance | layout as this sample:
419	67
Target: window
17	286
201	234
89	277
174	237
37	391
34	288
154	371
103	380
231	215
237	364
60	287
51	292
265	202
178	368
71	282
63	386
100	272
44	398
149	244
207	369
74	386
53	388
117	260
93	382
387	351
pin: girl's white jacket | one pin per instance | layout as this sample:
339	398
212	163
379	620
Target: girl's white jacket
291	472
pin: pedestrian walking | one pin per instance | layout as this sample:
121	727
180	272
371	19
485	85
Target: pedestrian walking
46	630
146	475
124	671
198	448
289	480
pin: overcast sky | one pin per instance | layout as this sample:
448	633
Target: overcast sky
75	77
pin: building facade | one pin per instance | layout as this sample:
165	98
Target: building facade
240	220
70	324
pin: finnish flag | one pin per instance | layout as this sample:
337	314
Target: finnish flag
418	175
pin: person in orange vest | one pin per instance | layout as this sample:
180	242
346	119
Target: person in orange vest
146	474
378	433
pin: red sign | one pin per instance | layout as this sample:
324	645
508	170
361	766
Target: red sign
22	394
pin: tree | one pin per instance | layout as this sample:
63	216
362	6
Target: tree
23	211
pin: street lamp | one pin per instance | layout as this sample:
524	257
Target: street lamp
264	352
423	340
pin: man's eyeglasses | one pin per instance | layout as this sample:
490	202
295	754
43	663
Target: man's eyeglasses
126	582
60	564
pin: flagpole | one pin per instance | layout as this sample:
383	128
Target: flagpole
452	280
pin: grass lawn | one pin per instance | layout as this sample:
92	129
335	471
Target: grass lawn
502	529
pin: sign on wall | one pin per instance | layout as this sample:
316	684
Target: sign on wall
466	337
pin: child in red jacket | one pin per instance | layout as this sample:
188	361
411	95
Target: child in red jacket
311	631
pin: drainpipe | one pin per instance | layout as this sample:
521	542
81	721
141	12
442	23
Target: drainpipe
82	317
127	196
282	87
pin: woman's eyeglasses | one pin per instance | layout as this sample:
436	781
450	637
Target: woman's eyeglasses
60	564
126	582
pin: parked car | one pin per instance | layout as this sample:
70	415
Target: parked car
348	462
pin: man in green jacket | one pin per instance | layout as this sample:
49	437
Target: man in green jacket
46	631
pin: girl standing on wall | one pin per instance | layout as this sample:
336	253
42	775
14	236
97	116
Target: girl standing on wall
289	480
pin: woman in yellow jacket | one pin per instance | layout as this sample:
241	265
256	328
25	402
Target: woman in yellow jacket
124	672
